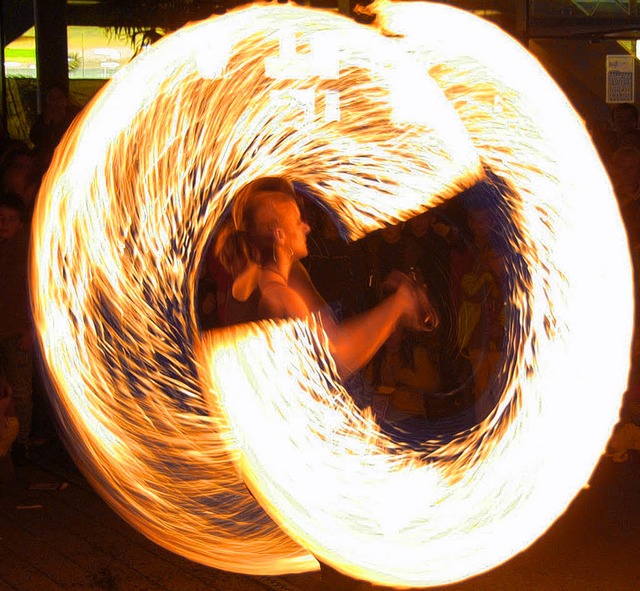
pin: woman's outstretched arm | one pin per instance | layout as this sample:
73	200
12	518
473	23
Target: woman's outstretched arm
355	341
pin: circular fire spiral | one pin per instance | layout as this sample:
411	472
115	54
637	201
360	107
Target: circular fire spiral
173	427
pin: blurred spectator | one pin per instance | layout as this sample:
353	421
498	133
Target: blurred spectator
481	320
388	248
427	256
625	118
405	370
452	226
7	143
8	426
383	252
625	176
623	131
630	138
336	267
50	125
16	338
20	176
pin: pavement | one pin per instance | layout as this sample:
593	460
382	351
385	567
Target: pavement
57	534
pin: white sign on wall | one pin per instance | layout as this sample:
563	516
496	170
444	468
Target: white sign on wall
620	78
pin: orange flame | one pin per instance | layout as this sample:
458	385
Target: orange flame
171	427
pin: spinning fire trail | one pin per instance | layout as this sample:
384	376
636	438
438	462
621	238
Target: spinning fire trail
173	427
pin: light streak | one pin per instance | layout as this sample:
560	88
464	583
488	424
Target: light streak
172	428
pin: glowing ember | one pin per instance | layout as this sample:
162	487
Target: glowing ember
169	426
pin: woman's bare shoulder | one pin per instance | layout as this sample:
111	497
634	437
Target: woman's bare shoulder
280	301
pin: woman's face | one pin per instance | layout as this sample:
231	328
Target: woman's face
295	230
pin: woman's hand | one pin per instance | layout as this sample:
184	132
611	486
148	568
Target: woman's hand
417	311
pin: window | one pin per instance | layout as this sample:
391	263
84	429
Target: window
94	53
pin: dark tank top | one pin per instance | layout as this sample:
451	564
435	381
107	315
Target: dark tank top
238	312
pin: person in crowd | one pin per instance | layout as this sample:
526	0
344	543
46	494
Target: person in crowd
406	370
622	130
8	144
427	257
47	130
481	317
20	175
630	138
625	176
9	426
335	266
16	334
6	140
624	444
385	251
625	118
449	256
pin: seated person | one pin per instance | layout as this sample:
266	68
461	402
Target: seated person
404	370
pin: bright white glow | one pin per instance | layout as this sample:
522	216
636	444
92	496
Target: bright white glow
212	60
172	428
107	52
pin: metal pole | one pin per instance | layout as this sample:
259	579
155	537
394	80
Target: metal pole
5	103
522	21
50	18
344	7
